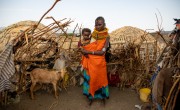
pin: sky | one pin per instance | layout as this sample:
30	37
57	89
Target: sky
117	13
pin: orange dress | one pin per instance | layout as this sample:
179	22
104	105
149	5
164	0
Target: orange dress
95	66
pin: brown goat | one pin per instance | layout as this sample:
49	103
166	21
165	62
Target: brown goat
45	76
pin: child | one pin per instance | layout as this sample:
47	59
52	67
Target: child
86	32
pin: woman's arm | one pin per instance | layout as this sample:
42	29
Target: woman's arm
101	52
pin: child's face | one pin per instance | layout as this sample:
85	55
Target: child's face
99	25
86	35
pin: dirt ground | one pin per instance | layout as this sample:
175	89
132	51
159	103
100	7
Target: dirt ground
74	100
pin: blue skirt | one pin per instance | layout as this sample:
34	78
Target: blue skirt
99	94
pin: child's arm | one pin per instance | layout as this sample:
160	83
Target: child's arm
101	52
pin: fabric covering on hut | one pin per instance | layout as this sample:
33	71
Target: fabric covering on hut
7	68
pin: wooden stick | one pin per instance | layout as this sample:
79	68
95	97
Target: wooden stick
72	36
54	104
43	29
170	93
60	26
175	97
44	15
51	40
176	76
32	43
114	63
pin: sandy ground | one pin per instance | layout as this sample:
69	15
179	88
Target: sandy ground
74	100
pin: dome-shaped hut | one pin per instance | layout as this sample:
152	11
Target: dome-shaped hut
28	46
121	37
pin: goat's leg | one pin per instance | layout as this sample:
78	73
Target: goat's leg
32	89
55	89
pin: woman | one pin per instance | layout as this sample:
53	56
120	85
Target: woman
95	85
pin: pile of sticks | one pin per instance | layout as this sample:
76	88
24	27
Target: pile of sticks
132	69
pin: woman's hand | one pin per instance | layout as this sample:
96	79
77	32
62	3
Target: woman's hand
84	52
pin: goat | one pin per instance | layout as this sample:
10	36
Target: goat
46	76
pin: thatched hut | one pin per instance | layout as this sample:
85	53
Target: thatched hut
24	49
125	35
